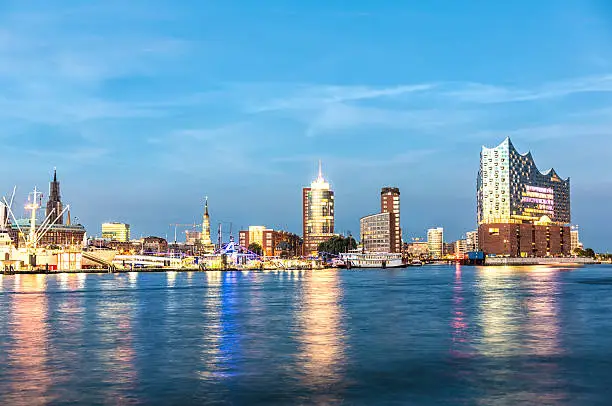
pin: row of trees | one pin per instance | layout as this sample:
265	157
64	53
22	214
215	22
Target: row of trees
586	253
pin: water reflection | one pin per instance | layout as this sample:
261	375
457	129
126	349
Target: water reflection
501	312
520	325
115	350
322	339
214	358
29	374
459	322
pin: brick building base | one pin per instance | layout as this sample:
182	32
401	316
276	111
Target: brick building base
524	240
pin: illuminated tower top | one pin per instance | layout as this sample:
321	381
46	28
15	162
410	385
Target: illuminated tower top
205	240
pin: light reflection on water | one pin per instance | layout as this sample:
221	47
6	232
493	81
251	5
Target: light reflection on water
435	335
321	337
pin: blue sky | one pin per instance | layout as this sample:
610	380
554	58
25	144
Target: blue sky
147	106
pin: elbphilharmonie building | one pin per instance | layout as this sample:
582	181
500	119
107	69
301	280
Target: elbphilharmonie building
522	212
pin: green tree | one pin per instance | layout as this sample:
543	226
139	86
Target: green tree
256	248
337	244
589	253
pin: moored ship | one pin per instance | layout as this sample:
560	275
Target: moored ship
369	260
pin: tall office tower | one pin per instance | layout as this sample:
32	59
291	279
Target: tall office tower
390	203
116	232
54	204
318	214
205	240
435	242
522	212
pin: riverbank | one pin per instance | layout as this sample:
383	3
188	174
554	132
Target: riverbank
499	261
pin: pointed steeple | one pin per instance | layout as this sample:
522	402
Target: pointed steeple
54	174
206	207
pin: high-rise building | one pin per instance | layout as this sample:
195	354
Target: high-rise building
575	239
375	232
471	240
54	204
435	242
522	212
116	232
206	243
318	214
390	203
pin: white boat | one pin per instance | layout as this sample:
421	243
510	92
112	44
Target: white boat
370	260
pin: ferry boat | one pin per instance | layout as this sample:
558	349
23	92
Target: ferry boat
369	260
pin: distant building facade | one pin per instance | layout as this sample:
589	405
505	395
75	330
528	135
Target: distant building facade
435	242
60	235
116	232
192	237
273	242
376	232
461	248
154	245
522	212
575	239
416	249
471	241
318	214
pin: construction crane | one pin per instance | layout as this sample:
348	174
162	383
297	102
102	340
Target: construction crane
177	225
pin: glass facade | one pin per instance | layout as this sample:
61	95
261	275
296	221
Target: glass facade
376	232
511	189
318	206
435	242
116	232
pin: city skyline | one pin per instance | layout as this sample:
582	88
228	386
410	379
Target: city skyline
151	107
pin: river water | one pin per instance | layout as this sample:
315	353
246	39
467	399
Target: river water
432	335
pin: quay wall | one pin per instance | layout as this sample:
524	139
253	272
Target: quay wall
499	261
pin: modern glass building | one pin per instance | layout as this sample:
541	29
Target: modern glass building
521	210
435	242
318	214
116	232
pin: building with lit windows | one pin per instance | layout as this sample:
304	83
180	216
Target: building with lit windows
375	232
390	203
116	232
471	240
318	214
416	249
435	242
575	239
522	212
274	243
206	244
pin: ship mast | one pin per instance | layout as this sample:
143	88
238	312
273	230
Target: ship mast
33	205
